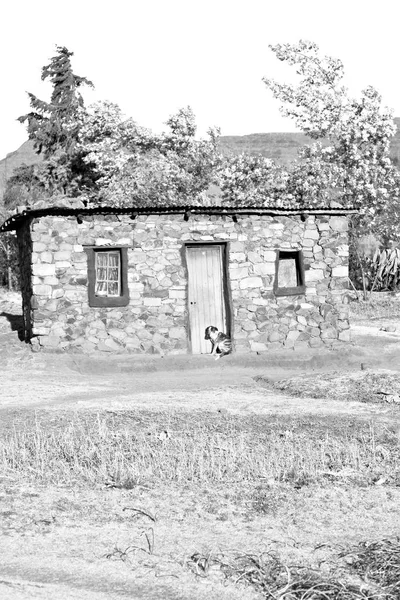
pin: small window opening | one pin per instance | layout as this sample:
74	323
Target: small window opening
289	275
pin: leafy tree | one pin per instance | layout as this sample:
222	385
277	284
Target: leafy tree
135	165
353	167
356	162
101	156
254	180
30	183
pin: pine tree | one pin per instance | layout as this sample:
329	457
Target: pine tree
54	129
53	126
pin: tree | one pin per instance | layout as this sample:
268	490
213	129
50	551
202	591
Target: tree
352	166
135	165
254	180
54	126
54	129
355	162
102	156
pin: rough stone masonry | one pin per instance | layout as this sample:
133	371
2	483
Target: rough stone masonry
54	277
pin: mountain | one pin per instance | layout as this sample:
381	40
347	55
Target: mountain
281	147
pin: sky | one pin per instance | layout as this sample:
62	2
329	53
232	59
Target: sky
152	57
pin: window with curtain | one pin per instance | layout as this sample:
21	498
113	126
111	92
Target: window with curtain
108	273
107	276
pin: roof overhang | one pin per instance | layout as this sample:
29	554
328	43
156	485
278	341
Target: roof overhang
16	220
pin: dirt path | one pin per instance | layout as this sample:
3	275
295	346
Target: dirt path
49	382
73	382
236	392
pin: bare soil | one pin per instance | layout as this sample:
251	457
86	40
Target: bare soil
88	543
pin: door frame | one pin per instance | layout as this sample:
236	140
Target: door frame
227	291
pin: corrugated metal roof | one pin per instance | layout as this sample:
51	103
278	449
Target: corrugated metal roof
13	222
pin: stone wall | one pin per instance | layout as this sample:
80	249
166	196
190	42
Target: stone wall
156	319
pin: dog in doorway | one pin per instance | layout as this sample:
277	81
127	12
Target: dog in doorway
220	342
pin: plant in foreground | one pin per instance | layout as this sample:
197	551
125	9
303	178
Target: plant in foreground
377	565
377	561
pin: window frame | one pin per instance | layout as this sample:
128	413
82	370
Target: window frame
107	301
300	288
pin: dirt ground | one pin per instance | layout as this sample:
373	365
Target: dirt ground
73	543
32	381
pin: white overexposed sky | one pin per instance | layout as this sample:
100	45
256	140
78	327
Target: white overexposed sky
153	57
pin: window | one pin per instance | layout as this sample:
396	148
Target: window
107	276
289	273
108	273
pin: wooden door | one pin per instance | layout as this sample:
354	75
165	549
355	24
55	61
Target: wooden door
206	293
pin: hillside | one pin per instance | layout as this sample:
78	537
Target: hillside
281	147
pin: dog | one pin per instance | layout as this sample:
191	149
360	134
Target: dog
220	342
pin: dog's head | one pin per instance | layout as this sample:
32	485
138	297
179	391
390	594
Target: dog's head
211	332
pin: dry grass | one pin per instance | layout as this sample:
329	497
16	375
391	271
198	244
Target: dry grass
253	469
362	386
100	450
376	564
380	306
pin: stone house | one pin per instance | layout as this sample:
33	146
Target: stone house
149	280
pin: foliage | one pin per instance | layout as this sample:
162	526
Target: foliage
354	168
247	180
54	128
135	164
356	162
362	248
351	168
47	180
22	188
387	267
107	158
373	268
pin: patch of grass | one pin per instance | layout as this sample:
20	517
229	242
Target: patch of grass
362	386
267	500
151	423
378	306
97	450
